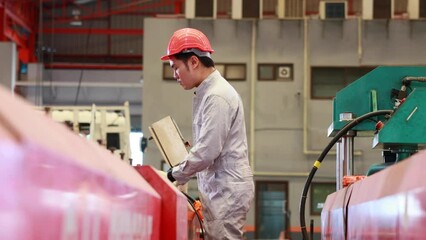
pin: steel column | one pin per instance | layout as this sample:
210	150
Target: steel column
344	158
348	145
339	164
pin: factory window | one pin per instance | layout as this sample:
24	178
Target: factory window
275	72
319	193
251	9
400	8
335	10
232	71
422	8
204	8
269	8
224	8
382	9
327	81
295	8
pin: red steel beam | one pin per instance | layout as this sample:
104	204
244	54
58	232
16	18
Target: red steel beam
32	41
144	7
19	19
100	31
89	56
9	33
109	39
18	24
118	11
93	66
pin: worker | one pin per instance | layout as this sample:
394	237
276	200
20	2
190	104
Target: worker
218	156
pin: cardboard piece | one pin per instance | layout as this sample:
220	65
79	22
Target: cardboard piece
169	140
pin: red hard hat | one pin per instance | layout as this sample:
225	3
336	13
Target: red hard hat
189	40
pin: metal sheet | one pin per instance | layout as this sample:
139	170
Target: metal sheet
57	185
334	213
48	196
389	204
173	219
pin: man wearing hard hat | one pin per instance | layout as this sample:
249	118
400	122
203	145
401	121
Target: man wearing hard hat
219	155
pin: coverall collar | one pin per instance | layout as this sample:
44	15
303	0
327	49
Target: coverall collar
204	85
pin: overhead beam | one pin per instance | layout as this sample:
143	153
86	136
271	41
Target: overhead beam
14	37
19	19
123	10
99	31
94	58
93	66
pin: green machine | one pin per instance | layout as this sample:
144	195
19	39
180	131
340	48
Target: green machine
402	91
389	104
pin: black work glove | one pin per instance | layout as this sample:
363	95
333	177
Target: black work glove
170	176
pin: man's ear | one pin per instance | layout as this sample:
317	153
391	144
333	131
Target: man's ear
194	61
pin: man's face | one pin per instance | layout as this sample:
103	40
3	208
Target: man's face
182	73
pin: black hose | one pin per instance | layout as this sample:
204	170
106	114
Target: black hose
191	202
317	163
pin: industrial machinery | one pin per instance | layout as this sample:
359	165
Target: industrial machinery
388	104
58	185
107	125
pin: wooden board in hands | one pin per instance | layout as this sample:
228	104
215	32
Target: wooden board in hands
169	140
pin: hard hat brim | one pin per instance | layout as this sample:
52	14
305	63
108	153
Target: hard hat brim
165	57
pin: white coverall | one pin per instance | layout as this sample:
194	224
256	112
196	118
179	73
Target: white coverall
220	159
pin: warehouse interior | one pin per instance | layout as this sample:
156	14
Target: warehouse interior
295	64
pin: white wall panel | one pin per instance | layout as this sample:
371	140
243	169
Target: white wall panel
8	65
279	105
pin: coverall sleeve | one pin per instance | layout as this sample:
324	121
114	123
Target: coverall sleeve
214	126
